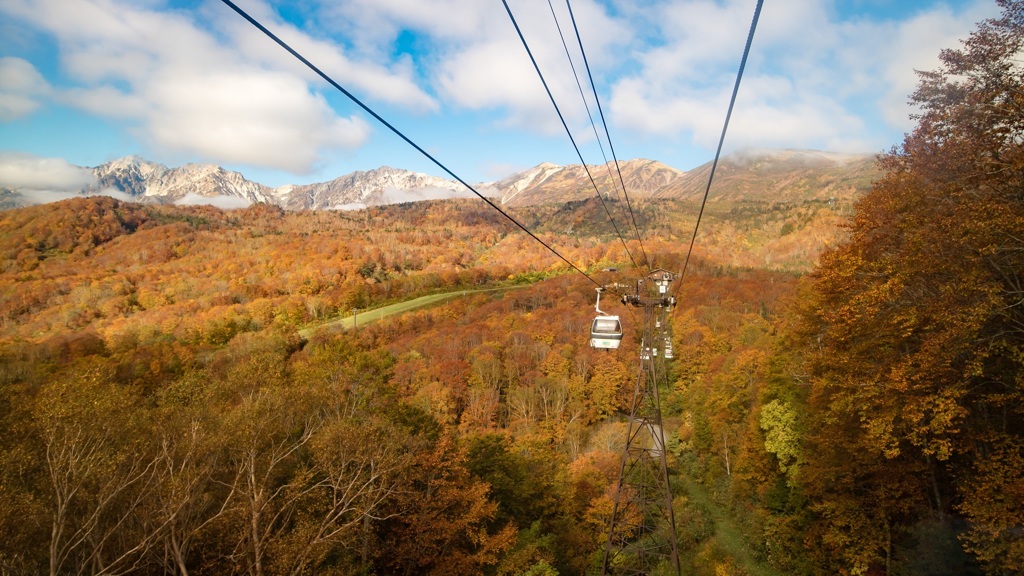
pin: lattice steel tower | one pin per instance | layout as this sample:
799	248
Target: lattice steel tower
642	532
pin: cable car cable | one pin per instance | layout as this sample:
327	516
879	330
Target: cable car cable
721	139
576	77
608	135
590	116
398	132
567	131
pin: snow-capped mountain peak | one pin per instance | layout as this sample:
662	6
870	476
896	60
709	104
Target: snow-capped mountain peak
155	182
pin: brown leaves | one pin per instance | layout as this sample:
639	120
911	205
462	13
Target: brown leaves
997	509
441	525
914	320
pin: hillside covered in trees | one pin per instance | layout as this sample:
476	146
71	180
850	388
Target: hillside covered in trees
844	398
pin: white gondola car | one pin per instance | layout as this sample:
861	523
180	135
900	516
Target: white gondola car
606	332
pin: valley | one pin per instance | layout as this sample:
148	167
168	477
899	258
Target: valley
207	318
181	392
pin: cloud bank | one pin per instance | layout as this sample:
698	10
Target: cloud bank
666	68
223	202
203	84
38	180
812	80
226	94
20	171
22	88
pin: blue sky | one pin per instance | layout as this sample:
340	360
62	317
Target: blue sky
88	81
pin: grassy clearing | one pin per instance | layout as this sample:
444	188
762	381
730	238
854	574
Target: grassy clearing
364	317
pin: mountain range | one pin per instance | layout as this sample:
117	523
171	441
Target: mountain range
780	175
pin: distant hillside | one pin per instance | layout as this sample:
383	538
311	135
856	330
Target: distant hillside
756	175
781	176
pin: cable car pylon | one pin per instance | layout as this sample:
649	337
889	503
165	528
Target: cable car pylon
642	530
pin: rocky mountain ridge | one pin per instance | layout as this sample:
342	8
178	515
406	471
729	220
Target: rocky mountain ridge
149	181
780	175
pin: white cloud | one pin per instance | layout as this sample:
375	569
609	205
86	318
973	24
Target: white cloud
392	84
265	119
371	25
223	202
230	96
203	82
38	180
20	171
117	194
31	197
21	88
703	35
915	46
494	74
397	196
476	60
810	82
349	206
806	121
107	101
49	196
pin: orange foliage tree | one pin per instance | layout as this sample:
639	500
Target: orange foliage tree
917	330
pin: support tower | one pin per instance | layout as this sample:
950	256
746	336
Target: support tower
642	532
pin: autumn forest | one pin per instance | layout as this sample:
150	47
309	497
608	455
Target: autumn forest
846	394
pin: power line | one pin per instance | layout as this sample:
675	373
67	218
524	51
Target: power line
721	139
398	132
567	131
608	134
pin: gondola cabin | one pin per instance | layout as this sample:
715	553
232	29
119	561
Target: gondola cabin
606	332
